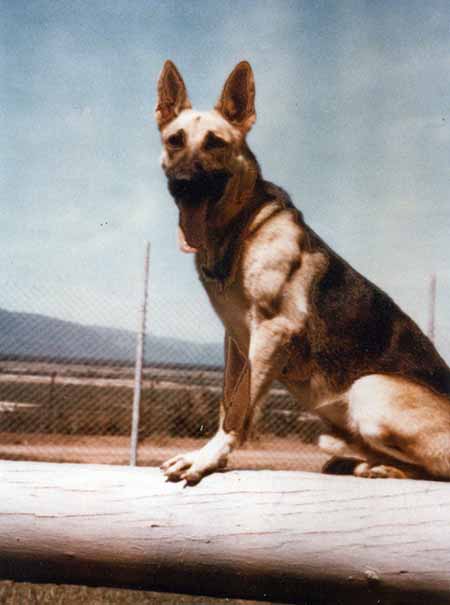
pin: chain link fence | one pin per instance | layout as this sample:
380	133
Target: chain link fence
66	387
82	412
66	393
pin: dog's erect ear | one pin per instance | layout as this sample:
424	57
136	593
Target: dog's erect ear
237	101
172	95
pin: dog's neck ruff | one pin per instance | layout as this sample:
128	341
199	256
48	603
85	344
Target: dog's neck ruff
221	270
218	258
217	263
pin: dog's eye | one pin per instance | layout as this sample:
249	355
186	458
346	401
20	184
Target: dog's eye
212	141
176	140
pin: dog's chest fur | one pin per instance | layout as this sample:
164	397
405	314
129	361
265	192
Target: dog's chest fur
270	277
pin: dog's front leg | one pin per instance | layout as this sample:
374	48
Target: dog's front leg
192	466
247	380
266	356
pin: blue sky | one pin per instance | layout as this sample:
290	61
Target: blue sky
353	104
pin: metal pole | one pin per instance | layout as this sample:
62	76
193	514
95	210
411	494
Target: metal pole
140	350
432	308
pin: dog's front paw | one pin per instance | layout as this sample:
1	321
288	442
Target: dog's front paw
192	466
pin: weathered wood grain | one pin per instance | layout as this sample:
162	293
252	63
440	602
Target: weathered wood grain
282	536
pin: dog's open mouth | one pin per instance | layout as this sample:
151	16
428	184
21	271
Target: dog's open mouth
195	197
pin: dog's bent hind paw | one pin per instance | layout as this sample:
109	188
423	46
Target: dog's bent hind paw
341	465
380	471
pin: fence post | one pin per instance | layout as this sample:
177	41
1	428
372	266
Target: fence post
51	416
432	308
140	351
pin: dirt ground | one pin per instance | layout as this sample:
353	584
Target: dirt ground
263	453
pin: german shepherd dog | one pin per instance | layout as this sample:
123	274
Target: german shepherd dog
292	309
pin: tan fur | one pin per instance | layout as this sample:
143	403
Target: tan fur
410	423
389	423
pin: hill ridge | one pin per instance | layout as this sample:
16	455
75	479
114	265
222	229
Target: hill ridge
37	336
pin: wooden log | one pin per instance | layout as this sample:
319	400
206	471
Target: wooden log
275	535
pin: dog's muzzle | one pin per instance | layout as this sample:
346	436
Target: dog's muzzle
188	189
195	195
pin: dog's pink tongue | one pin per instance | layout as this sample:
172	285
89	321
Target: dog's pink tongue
193	226
182	243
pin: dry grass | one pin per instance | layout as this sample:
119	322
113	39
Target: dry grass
12	593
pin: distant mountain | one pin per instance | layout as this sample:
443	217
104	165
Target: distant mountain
40	337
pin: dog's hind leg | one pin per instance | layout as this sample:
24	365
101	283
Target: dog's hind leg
404	423
358	459
345	456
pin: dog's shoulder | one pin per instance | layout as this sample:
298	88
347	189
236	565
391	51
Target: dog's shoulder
277	260
276	216
274	232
